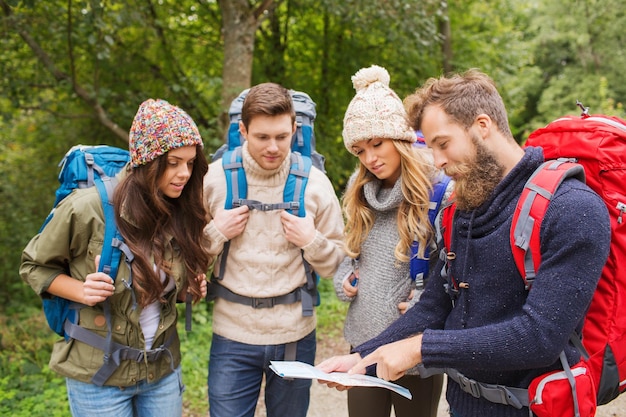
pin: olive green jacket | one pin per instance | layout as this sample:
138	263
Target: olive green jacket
69	244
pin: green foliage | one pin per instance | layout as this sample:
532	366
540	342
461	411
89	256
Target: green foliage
28	167
195	347
560	97
492	36
27	387
577	44
331	312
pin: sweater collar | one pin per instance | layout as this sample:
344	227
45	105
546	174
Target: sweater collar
383	199
255	174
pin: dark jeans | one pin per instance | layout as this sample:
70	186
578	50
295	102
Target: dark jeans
236	372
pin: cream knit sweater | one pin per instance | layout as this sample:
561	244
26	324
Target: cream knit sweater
262	263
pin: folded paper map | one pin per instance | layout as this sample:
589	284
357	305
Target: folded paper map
301	370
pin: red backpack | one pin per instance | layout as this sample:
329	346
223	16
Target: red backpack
598	143
592	148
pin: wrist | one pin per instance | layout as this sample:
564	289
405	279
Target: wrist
418	351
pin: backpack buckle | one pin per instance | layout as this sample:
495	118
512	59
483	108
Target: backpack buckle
263	302
154	354
469	385
451	290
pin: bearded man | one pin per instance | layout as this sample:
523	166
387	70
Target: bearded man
492	329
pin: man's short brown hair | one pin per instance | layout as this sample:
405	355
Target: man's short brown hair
267	99
462	97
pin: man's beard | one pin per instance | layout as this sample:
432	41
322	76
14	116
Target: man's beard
475	179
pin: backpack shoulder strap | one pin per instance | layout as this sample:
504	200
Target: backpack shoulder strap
436	198
110	256
530	210
293	196
236	192
444	235
236	184
447	218
112	248
419	266
296	183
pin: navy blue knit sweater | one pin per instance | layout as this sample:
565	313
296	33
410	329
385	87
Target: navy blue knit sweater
497	332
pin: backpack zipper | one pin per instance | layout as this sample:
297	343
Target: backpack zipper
622	209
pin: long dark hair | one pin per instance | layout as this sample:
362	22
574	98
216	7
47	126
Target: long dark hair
152	224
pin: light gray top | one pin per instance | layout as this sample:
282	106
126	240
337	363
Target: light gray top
384	281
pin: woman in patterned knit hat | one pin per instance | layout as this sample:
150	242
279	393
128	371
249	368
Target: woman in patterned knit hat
159	212
386	207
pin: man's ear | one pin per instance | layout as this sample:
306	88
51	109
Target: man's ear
243	130
484	124
295	127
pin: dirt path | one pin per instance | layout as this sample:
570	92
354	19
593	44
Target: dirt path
327	402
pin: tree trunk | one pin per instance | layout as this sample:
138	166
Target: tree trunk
446	36
240	20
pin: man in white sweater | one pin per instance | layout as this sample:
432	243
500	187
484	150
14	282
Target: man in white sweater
259	314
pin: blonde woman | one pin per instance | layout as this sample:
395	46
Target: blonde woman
386	206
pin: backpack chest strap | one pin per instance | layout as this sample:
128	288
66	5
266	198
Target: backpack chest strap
257	205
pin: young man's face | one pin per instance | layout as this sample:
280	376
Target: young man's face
450	142
269	139
463	156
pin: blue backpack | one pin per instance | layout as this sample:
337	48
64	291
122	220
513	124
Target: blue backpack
84	167
419	266
303	156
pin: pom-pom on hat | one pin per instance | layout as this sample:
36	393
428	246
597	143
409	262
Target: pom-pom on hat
376	111
159	127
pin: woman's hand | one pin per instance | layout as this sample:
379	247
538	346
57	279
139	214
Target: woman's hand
203	284
97	287
349	289
404	306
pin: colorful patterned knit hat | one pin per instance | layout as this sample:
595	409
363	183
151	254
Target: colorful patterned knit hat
159	127
376	111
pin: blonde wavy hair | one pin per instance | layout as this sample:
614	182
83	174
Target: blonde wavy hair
417	172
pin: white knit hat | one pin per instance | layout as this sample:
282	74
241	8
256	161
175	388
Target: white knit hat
376	111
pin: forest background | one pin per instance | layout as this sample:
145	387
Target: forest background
75	71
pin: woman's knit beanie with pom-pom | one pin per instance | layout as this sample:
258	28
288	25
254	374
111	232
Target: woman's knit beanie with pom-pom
376	111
